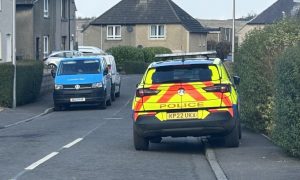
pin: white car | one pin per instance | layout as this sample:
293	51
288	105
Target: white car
115	76
90	50
53	60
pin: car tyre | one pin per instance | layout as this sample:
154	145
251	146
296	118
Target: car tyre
140	143
119	92
240	131
232	139
112	94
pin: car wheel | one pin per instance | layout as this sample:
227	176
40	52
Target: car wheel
108	102
140	143
52	66
232	139
119	92
240	131
156	140
112	94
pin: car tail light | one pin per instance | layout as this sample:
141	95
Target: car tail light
223	88
146	92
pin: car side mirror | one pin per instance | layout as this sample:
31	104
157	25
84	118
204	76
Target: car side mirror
53	73
236	80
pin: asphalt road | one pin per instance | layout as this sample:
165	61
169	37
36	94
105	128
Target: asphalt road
88	143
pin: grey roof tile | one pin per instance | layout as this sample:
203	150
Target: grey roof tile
152	12
274	13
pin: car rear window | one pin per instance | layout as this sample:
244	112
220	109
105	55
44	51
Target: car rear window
79	67
178	74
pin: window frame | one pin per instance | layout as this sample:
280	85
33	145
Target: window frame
114	36
46	8
46	46
157	36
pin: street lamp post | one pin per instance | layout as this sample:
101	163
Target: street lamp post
233	31
14	105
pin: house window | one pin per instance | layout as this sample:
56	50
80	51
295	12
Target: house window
46	8
157	31
46	46
114	32
63	9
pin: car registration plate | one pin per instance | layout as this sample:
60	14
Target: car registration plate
182	115
77	100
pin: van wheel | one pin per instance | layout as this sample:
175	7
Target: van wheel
232	139
119	92
140	143
108	102
112	94
103	105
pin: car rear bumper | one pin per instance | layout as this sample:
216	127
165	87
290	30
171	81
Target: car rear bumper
220	123
92	96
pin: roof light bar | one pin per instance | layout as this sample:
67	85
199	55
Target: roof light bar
206	54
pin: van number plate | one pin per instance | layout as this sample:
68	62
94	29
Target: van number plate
77	100
182	115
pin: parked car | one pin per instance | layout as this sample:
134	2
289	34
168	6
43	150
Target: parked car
186	97
82	80
115	76
90	50
53	60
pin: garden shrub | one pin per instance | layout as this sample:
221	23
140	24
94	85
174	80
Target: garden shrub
287	101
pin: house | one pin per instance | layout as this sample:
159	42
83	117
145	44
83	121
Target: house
43	26
81	24
6	30
146	23
220	31
276	12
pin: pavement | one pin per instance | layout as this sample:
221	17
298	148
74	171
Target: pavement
26	112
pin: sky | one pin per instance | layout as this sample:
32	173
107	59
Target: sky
202	9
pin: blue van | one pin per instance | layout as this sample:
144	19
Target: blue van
82	80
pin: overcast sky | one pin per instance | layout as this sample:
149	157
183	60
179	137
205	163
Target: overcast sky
203	9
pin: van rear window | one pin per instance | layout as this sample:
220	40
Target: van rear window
80	67
178	74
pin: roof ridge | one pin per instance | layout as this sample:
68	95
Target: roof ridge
173	10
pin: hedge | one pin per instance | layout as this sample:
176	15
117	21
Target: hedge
29	80
134	67
287	101
150	52
6	84
255	64
126	53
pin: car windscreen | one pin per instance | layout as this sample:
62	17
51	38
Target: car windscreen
79	67
185	73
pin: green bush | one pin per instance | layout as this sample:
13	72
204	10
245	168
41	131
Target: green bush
287	99
134	67
255	64
150	52
126	53
6	84
29	80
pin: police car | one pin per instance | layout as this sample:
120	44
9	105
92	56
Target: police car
191	95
